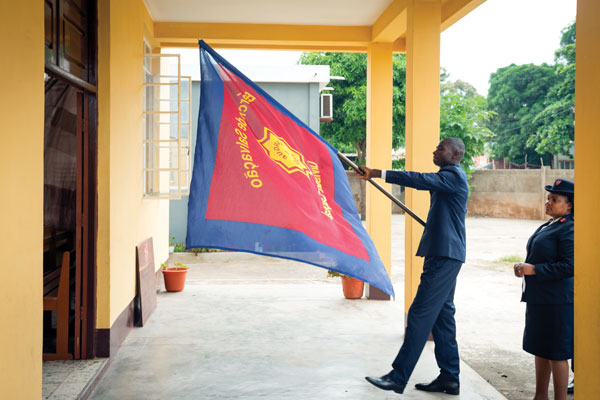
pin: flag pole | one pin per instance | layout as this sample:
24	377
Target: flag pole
381	189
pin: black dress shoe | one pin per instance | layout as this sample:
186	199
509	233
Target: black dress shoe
386	383
571	387
438	385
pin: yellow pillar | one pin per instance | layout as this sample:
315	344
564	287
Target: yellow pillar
587	241
422	121
379	149
21	203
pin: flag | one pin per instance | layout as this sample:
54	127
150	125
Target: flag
263	182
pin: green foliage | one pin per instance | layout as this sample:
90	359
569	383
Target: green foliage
178	265
534	106
516	96
510	259
464	115
179	247
333	274
556	122
202	250
399	163
347	131
463	111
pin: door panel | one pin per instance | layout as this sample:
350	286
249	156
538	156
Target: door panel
68	30
70	57
50	33
73	49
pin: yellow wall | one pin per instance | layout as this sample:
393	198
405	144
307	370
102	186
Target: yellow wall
422	122
587	192
124	218
379	143
21	207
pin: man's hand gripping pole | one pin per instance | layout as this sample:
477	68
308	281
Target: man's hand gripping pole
381	189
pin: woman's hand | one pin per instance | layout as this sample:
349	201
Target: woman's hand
368	173
522	269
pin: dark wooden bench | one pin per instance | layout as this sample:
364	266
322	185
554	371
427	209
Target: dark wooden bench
55	241
56	298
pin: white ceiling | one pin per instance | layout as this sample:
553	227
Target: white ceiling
292	12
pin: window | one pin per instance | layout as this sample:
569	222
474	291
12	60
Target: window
167	126
566	164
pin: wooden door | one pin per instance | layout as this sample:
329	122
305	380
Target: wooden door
70	56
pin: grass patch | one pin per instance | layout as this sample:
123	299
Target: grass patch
202	250
510	259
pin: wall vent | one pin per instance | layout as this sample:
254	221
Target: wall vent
326	107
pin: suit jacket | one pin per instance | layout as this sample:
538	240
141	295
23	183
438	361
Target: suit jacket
444	234
550	249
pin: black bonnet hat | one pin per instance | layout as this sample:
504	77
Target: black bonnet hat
561	186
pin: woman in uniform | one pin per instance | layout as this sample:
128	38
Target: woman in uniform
548	292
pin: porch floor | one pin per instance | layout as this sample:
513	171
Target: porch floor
250	327
69	379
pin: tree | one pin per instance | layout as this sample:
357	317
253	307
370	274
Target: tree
347	131
556	122
516	96
464	114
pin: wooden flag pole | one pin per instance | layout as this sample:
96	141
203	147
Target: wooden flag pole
381	189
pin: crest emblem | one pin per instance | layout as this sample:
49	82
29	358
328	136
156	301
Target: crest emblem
557	182
284	155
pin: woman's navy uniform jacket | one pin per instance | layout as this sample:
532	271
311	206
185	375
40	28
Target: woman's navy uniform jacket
444	234
550	249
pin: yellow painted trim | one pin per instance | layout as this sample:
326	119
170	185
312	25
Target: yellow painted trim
21	203
261	35
149	28
422	123
391	24
148	22
388	28
399	46
587	191
454	10
103	233
246	46
379	145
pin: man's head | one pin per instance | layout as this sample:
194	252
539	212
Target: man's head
449	151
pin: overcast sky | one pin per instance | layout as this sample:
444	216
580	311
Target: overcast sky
501	32
494	35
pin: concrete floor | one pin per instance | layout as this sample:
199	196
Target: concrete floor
69	379
249	327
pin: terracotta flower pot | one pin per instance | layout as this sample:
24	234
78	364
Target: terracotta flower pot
174	279
352	287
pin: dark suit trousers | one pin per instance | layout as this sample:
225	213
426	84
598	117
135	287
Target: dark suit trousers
432	311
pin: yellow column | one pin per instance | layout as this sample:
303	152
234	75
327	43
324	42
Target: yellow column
422	121
104	124
587	241
21	203
379	149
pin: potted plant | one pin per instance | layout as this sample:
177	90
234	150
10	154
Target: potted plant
172	244
352	287
174	276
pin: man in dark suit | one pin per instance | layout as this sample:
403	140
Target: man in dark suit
443	246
